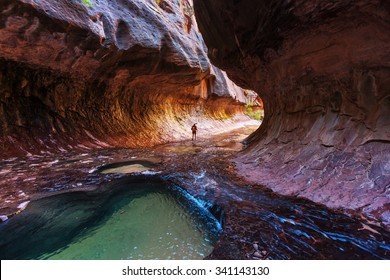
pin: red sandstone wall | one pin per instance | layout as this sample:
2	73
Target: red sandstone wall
322	69
117	73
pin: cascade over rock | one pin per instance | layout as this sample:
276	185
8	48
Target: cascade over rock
322	69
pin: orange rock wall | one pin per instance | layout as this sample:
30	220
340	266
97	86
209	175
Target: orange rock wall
117	73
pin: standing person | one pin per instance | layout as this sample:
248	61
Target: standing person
194	129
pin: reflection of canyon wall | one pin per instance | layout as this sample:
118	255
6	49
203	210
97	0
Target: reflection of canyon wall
117	73
323	71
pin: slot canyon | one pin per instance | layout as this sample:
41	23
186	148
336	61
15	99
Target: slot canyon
291	157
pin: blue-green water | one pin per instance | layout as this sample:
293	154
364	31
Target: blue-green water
138	218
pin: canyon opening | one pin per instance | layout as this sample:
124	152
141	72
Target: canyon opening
194	129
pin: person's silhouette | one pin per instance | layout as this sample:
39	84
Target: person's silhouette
194	129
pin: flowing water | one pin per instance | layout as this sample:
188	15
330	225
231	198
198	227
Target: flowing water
102	208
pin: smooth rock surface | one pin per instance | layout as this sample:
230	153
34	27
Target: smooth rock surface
115	73
322	69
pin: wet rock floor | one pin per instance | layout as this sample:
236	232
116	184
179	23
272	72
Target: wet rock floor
258	224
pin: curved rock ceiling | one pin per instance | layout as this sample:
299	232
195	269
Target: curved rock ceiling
115	73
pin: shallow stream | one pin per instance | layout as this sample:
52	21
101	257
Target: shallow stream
98	208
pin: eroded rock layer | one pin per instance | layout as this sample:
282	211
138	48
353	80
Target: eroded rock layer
322	69
112	73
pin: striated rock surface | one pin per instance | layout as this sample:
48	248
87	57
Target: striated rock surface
322	69
113	73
